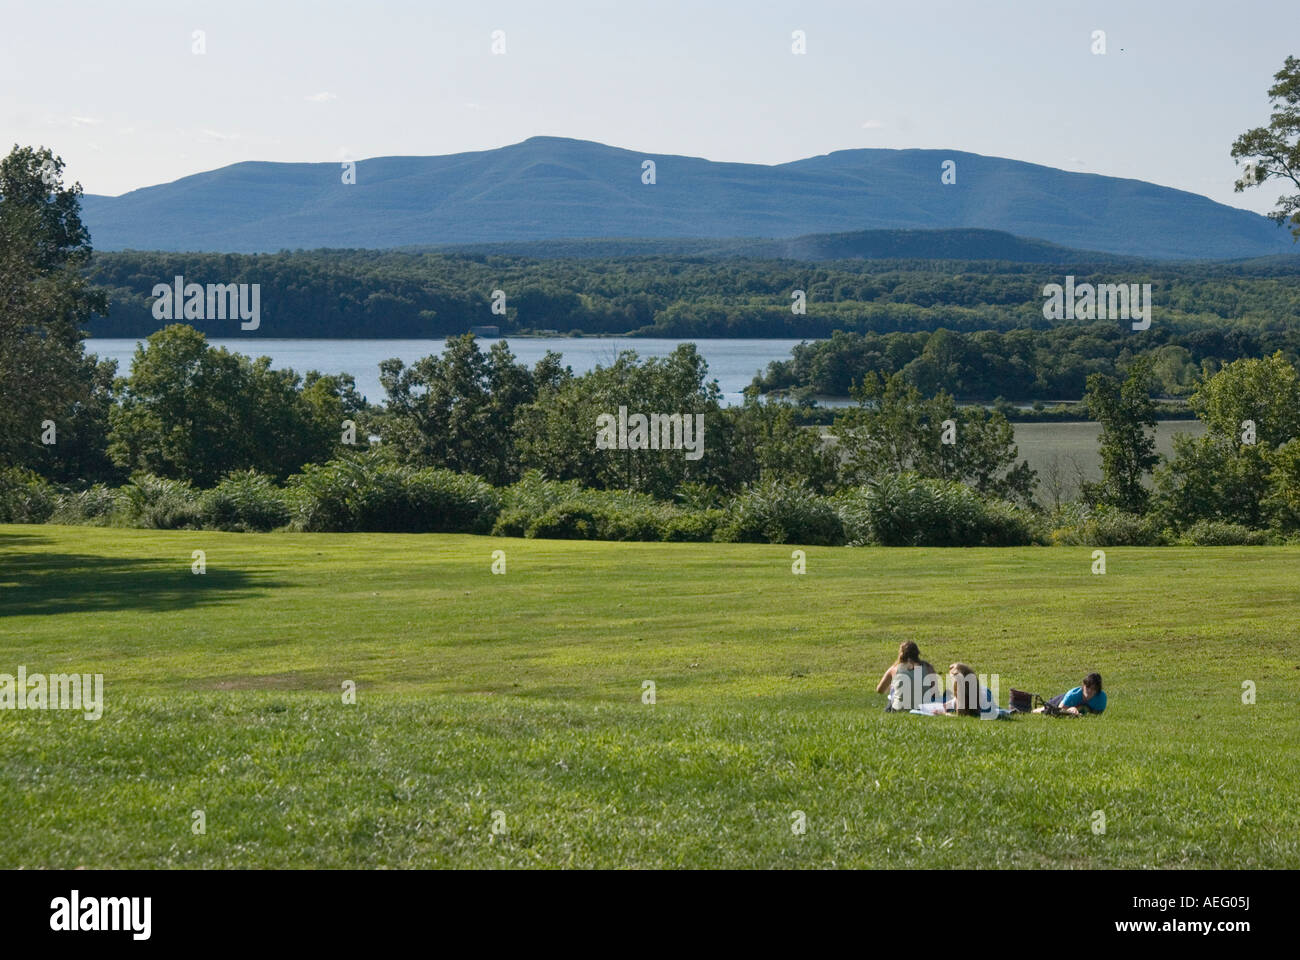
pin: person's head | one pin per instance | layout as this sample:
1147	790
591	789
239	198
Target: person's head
1091	685
964	685
909	652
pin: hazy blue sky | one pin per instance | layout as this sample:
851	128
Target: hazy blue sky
115	89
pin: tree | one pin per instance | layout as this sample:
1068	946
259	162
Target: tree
194	412
1125	411
1212	478
1274	151
44	305
895	429
1265	392
458	410
1236	472
558	432
1283	501
769	440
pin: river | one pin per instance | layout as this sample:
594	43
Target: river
733	363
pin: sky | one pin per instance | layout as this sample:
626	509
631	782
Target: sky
118	91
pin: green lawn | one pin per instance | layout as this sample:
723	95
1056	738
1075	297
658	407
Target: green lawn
522	694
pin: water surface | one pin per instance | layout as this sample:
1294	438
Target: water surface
733	363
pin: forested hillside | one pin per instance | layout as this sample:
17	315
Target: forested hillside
376	294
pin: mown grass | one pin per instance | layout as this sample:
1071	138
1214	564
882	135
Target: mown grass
522	694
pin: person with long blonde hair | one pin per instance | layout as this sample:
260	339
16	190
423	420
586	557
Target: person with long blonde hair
967	698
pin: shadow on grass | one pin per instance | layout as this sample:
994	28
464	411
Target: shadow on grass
21	540
44	584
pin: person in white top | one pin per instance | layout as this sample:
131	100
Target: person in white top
910	681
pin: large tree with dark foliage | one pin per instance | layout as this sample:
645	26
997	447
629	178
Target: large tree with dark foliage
1126	413
49	388
558	432
194	412
896	428
458	410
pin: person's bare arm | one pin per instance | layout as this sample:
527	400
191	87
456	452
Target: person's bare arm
885	681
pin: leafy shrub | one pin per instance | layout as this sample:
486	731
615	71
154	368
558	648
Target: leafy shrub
370	493
245	501
94	506
695	526
511	522
1212	533
160	503
588	519
533	494
914	511
1005	524
773	512
638	523
564	510
321	497
25	496
568	521
693	495
1107	527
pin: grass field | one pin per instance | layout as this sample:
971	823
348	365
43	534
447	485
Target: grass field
522	694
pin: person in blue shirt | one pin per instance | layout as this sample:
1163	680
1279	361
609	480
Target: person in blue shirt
1086	698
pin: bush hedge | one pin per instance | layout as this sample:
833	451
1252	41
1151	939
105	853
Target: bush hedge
1107	527
25	496
909	510
94	506
781	513
371	492
1213	533
159	503
245	501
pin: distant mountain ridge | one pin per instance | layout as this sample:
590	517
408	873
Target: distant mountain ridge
957	244
550	188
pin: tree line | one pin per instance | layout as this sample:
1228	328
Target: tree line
189	416
1027	364
396	294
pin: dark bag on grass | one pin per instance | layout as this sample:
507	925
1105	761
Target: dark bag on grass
1021	702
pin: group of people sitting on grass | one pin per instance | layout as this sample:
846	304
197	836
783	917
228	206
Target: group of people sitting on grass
914	686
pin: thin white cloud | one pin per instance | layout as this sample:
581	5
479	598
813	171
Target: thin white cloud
72	121
872	125
323	97
218	135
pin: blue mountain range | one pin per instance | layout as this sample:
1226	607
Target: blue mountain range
550	188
